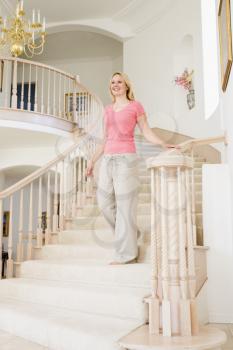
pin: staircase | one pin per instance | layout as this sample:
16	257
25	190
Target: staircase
69	298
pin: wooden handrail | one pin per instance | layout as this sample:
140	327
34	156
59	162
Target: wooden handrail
38	64
36	174
199	142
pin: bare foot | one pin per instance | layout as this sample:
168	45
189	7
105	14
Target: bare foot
123	263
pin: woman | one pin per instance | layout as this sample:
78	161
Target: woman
118	176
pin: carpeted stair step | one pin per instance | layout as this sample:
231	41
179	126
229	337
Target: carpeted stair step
58	328
113	301
133	275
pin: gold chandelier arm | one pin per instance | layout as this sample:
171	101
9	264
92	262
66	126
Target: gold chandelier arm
19	33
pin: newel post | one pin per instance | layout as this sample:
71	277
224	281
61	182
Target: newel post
172	305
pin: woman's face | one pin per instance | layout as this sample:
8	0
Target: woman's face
118	86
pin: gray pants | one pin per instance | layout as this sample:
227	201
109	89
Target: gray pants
117	197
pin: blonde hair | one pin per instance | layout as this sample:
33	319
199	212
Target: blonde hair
129	92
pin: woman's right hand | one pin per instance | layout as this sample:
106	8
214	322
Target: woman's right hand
90	168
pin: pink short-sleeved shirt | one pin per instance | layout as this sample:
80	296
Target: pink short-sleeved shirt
120	127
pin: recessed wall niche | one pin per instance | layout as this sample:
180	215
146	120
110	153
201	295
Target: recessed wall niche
182	59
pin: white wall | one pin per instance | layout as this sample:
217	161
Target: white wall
93	56
150	59
217	224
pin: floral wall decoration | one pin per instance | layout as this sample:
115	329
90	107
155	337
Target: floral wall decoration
186	82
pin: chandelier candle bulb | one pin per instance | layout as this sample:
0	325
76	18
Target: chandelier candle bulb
44	24
38	20
21	7
33	16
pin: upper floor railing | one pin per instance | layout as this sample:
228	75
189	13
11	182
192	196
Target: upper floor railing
38	88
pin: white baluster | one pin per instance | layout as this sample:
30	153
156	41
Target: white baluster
84	181
1	234
61	206
69	114
55	203
74	119
190	253
154	310
48	97
48	229
29	88
79	194
166	308
30	227
22	90
20	253
14	85
59	97
7	84
185	317
42	109
54	92
74	187
39	236
193	202
10	262
36	91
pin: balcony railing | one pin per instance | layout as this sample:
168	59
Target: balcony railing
37	88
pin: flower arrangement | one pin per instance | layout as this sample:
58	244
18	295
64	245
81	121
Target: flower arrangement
185	80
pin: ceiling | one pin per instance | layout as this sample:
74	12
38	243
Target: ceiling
76	9
121	18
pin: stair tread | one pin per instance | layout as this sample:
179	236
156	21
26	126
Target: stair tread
133	292
61	328
86	271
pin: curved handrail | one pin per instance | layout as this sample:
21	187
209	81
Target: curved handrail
39	172
190	144
39	88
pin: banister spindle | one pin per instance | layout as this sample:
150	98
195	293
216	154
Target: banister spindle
190	254
30	224
14	85
185	319
54	92
193	201
36	91
74	187
48	216
79	182
48	97
10	242
166	307
22	90
55	203
154	310
39	237
20	252
1	234
29	88
60	97
7	83
61	205
74	103
69	113
42	109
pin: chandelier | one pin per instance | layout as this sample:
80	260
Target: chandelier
22	35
